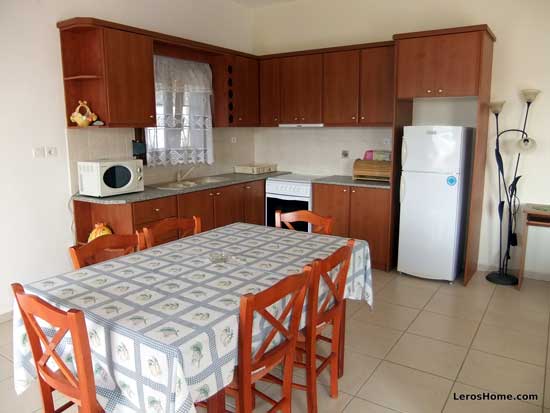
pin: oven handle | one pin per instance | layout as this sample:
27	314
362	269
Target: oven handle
287	197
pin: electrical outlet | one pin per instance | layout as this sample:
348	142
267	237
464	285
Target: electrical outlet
233	139
51	151
39	152
345	154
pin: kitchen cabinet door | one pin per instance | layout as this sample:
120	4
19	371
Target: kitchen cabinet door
416	68
377	85
458	64
228	205
334	201
301	89
370	221
201	204
245	84
341	88
130	79
254	202
270	92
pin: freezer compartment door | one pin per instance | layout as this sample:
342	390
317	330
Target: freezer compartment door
428	225
432	149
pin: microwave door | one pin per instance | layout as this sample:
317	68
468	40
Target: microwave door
116	177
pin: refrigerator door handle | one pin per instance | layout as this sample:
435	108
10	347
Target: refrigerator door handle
403	153
402	189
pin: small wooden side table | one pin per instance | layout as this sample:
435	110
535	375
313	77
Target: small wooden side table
534	215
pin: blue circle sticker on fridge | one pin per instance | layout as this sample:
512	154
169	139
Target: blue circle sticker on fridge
451	180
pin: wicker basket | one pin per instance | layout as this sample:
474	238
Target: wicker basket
256	169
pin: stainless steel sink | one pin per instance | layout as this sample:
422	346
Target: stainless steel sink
188	183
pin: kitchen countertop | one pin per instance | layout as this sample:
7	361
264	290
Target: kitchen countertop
348	180
151	192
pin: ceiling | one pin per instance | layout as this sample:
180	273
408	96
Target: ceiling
260	3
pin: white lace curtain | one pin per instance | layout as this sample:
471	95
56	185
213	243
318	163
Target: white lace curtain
184	117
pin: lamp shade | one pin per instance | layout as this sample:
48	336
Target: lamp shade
529	95
526	144
496	107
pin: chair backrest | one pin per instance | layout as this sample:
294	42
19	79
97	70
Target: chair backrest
321	225
184	227
79	389
288	295
335	285
102	249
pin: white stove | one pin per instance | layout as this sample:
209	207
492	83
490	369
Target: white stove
291	192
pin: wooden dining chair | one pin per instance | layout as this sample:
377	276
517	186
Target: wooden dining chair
258	365
321	315
321	225
184	227
80	388
102	249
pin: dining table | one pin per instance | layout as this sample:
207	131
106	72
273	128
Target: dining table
163	322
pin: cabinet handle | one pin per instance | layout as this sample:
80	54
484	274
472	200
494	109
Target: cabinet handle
353	117
275	118
362	118
151	116
303	118
439	90
211	194
218	194
429	91
295	118
157	210
345	190
246	187
353	191
240	118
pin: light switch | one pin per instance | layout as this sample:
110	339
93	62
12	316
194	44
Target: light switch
233	139
51	151
39	152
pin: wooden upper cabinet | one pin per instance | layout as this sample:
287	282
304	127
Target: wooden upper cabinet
377	86
113	73
301	89
245	86
438	66
270	92
334	201
341	88
130	78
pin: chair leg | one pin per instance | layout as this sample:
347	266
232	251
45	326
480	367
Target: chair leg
335	357
47	397
288	369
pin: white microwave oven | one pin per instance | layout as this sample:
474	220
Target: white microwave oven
107	178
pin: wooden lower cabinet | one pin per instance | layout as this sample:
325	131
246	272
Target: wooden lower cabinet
370	220
228	205
333	200
360	213
254	202
199	204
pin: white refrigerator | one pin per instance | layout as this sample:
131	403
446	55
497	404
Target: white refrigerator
434	194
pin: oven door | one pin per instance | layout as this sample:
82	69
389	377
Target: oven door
285	203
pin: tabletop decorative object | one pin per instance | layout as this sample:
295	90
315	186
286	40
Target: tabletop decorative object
509	189
83	120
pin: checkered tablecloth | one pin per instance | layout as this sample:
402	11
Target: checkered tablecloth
163	323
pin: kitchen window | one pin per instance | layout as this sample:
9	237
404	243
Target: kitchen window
183	91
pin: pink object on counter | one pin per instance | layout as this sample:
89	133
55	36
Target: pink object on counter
369	155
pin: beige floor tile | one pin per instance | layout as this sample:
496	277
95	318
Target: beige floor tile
405	294
380	279
358	405
533	296
6	368
476	286
523	321
387	315
508	343
357	369
411	281
429	355
451	329
29	401
469	308
324	402
502	375
405	389
483	406
352	306
6	334
370	340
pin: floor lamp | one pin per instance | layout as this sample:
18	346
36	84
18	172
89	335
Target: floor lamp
507	192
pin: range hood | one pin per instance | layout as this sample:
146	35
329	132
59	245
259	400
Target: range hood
301	125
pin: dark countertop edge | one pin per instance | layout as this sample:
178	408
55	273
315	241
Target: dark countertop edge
151	192
349	181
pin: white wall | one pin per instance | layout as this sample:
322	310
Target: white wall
36	222
521	60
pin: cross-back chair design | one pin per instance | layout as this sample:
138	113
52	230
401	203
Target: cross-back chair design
321	225
328	311
278	345
80	388
103	248
184	226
